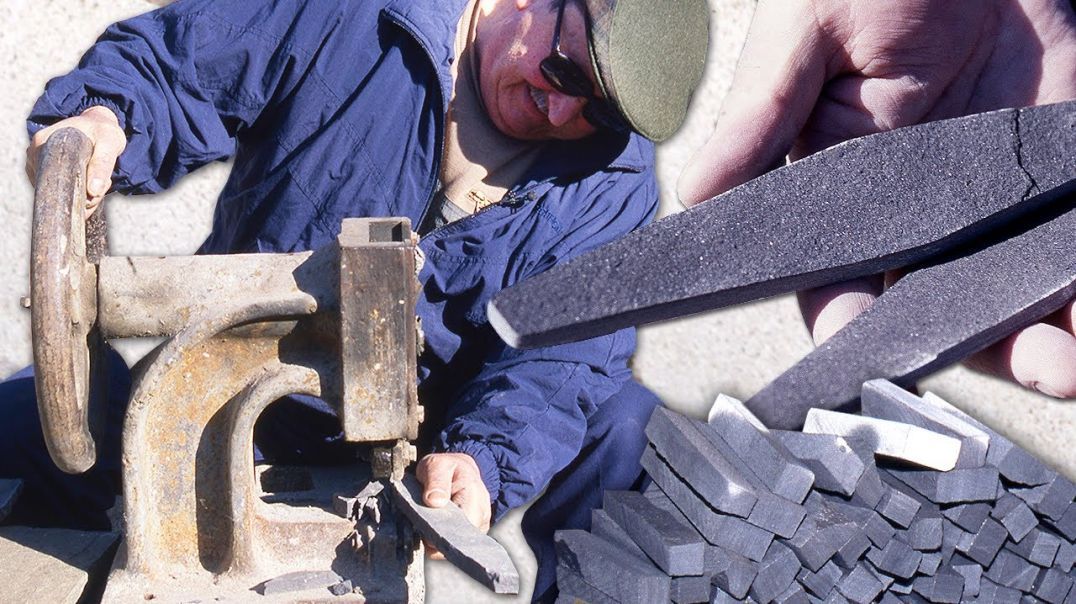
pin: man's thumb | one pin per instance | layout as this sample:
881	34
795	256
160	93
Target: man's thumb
778	79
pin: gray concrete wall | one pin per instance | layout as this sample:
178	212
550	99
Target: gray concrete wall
687	362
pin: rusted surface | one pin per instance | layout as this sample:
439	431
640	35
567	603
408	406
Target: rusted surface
63	301
377	330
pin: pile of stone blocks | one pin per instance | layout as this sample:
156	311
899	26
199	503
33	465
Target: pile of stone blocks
910	501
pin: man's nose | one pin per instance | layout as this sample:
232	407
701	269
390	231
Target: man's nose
564	108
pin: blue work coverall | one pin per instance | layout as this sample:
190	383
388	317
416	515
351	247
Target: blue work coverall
337	109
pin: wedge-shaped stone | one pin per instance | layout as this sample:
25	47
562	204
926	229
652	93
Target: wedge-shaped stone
1052	586
694	458
877	529
942	586
984	545
1037	547
894	440
822	582
835	466
603	565
675	548
885	400
776	572
753	442
601	525
860	586
573	588
1010	570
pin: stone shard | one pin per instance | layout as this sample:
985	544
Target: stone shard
573	588
860	586
462	544
603	566
763	237
1037	547
776	572
835	466
894	440
298	581
968	516
675	548
1052	586
885	400
1010	570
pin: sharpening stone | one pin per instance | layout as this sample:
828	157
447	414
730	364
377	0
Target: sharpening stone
1037	547
972	573
871	522
776	572
942	586
1066	525
968	516
822	582
925	534
1011	570
1014	515
732	573
984	545
835	466
897	559
885	400
822	534
929	564
777	233
675	548
298	581
601	525
603	565
689	590
869	489
850	553
1052	499
898	507
860	586
965	485
753	442
695	459
992	593
793	595
573	588
894	440
1066	557
1052	586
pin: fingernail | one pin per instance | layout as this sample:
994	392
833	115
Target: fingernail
436	498
97	187
1047	390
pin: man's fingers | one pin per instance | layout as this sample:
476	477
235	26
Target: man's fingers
827	309
435	474
432	552
475	506
778	79
1041	357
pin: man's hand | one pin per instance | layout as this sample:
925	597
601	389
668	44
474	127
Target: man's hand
816	72
102	127
454	477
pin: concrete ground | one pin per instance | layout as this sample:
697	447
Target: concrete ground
687	362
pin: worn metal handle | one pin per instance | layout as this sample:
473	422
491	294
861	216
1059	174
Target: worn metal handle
63	300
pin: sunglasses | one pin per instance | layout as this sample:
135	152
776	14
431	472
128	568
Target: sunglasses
567	77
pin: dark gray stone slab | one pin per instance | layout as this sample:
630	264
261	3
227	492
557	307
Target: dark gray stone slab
689	590
752	441
821	582
967	485
992	593
925	534
449	530
1052	499
969	517
775	233
897	559
860	586
942	586
10	488
885	400
1066	525
853	551
821	535
899	507
930	563
793	595
1014	515
573	588
694	458
298	581
1052	586
776	572
984	545
1038	547
730	532
835	466
603	565
1066	557
1010	570
972	573
675	548
601	525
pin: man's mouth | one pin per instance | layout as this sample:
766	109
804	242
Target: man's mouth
541	99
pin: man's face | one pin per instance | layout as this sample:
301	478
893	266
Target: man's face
513	36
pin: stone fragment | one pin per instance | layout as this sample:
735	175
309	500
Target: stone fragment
984	545
894	440
972	573
732	573
1066	525
821	535
1038	547
885	400
969	517
822	582
1010	570
776	572
1015	516
835	466
603	566
298	581
898	507
851	552
1066	556
897	559
1052	586
675	548
925	534
942	586
859	586
966	485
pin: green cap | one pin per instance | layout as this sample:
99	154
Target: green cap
649	56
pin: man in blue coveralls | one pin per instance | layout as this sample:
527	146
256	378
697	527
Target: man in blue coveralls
512	132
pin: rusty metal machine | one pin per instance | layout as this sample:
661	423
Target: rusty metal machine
242	331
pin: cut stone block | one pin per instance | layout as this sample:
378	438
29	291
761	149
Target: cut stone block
985	544
835	466
885	400
1052	586
1038	547
849	555
752	442
472	551
298	581
898	507
1052	499
603	565
601	525
942	586
730	532
896	559
992	593
776	572
695	459
1014	515
1066	525
895	440
1010	570
822	582
929	564
51	565
871	522
953	537
860	586
972	573
967	484
675	548
821	535
793	595
689	590
1066	557
732	573
573	588
925	534
969	517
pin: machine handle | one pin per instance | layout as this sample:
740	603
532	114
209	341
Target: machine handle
63	300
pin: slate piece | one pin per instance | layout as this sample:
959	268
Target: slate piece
1066	557
877	529
732	573
761	238
894	440
953	537
1014	515
298	581
969	517
972	573
929	564
601	525
898	507
573	588
851	552
925	534
449	530
835	466
942	586
821	535
985	544
770	460
885	400
859	586
1011	570
10	488
1052	499
821	582
884	579
688	590
719	596
675	548
1066	525
967	485
699	463
1052	586
729	532
896	559
992	593
776	572
869	489
603	565
793	595
1038	547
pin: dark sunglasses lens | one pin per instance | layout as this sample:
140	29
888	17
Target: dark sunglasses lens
565	76
602	116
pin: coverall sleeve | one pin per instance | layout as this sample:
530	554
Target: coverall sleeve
186	79
524	416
